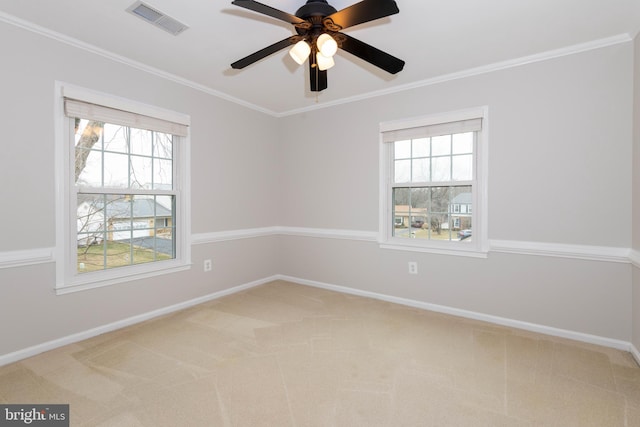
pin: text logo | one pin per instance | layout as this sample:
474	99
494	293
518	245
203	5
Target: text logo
34	415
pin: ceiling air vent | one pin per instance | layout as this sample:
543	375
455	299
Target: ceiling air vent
157	18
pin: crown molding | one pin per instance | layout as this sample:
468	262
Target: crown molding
543	56
471	72
71	41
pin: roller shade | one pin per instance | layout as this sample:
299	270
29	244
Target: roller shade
85	110
462	126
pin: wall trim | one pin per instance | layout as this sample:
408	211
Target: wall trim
10	259
471	72
359	235
518	324
547	330
635	353
516	62
585	252
90	333
224	236
634	257
37	29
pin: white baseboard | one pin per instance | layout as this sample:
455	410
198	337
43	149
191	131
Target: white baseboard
636	354
70	339
533	327
547	330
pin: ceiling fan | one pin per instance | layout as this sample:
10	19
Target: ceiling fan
318	26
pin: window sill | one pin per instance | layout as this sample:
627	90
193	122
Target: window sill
111	277
454	249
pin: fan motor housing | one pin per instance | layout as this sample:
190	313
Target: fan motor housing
315	8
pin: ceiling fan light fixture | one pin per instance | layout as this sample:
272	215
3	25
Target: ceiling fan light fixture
324	62
327	45
300	52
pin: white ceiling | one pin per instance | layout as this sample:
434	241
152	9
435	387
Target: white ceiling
436	38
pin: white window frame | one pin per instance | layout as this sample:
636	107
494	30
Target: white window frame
479	246
67	278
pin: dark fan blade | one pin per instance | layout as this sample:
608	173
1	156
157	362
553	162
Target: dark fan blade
263	53
374	56
268	10
365	11
318	78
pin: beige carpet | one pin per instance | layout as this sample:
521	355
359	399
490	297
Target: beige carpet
289	355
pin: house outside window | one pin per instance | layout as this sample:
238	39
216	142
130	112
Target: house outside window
434	168
122	168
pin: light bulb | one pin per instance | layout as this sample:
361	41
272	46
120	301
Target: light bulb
324	62
327	45
300	51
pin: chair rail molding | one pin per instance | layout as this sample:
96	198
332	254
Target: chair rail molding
10	259
19	258
562	250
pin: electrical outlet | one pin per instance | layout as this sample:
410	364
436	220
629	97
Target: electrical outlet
413	267
208	265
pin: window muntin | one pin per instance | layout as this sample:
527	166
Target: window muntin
118	229
433	173
430	176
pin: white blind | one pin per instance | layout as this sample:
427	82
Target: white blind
462	126
85	110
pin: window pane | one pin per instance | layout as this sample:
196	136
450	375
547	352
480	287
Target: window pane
149	249
90	213
402	171
462	168
440	199
163	145
115	138
141	172
141	142
441	145
162	174
462	197
117	254
88	134
88	167
402	149
401	212
463	143
419	212
441	169
91	256
116	167
420	170
440	226
420	147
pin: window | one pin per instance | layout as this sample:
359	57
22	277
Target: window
433	168
123	168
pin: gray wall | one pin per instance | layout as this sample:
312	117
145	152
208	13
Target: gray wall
559	173
232	174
